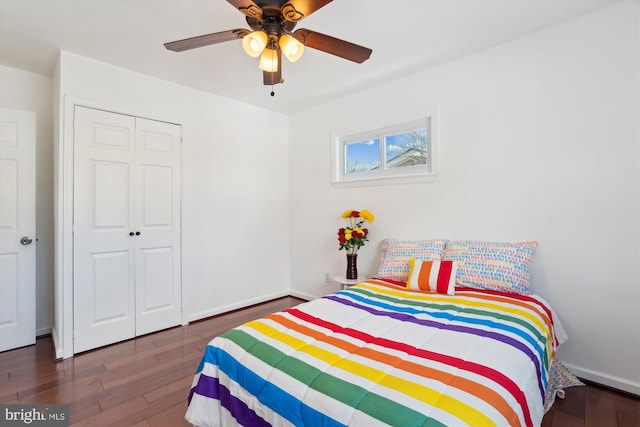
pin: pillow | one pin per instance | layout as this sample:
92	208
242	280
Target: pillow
432	276
394	261
500	267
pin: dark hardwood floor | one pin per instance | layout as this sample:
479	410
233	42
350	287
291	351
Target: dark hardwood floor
145	381
140	382
594	406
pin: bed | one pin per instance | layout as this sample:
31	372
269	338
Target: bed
378	353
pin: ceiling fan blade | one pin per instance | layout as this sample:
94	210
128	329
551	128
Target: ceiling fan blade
269	78
248	8
295	10
332	45
206	40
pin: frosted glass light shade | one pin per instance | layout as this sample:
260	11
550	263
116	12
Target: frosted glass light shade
269	61
254	43
291	48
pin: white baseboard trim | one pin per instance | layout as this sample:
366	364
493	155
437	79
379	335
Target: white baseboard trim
302	295
43	331
224	309
605	379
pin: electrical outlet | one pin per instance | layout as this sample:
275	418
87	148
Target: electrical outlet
327	277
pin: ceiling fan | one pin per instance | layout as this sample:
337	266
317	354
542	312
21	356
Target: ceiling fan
272	22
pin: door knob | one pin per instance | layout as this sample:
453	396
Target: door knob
131	233
26	241
137	233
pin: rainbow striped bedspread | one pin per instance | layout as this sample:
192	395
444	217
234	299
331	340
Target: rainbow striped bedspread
376	354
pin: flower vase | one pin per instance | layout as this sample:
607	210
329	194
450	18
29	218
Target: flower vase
352	266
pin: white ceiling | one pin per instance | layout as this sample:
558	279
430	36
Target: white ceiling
405	35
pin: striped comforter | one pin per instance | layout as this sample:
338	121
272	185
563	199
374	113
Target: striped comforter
376	354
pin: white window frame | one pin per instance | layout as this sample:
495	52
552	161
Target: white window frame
373	129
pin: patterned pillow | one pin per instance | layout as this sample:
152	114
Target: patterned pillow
432	276
394	262
489	265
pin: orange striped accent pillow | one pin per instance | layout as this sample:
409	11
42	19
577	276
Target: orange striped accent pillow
432	276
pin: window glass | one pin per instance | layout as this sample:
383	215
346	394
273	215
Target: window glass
394	151
362	156
406	149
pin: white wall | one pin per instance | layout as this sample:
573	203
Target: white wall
538	139
235	185
22	90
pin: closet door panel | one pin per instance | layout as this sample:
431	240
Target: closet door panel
104	292
157	213
157	197
110	276
156	292
110	202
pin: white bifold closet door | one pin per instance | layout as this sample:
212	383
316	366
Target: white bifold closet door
126	227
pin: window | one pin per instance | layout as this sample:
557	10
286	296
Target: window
404	151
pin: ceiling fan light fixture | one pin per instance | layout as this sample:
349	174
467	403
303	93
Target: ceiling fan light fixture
291	48
254	43
269	61
272	34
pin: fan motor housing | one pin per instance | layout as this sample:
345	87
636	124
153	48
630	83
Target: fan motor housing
272	14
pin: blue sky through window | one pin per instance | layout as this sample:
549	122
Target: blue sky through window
363	156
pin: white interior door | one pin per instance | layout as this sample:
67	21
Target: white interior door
157	219
103	280
17	229
126	227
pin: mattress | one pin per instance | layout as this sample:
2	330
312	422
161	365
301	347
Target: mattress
378	354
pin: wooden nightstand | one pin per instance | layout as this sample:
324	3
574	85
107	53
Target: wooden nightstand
345	283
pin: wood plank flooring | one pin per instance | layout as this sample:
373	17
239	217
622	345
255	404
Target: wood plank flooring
140	382
594	406
145	381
